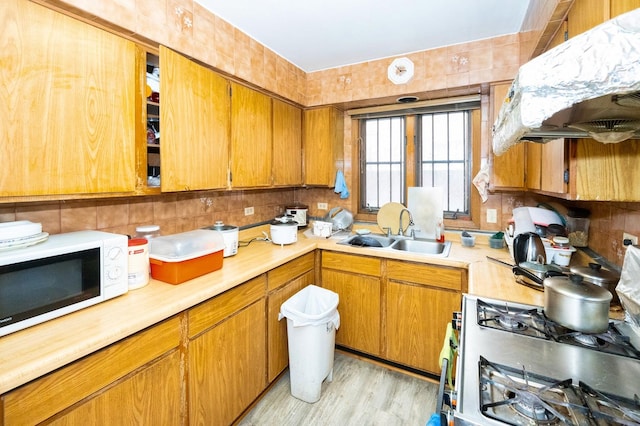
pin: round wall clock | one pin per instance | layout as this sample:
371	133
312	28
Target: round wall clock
400	71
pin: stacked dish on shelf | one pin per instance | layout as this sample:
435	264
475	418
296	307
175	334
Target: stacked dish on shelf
21	233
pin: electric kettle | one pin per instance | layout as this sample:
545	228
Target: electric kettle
528	247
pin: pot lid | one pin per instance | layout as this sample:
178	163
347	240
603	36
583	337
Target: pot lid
220	226
574	287
286	220
595	273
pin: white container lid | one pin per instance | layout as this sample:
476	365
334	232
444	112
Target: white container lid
143	229
186	245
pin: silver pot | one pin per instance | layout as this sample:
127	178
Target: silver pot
577	305
596	274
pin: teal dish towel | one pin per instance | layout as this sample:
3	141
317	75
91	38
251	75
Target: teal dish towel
341	185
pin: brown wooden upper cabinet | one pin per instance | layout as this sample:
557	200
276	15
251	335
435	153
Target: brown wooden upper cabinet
508	168
194	112
287	144
68	121
586	14
251	136
323	145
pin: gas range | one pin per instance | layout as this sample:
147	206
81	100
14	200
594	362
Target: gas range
517	367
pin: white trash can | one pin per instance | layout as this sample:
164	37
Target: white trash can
312	321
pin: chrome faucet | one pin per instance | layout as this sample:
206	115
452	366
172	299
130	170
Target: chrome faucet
401	230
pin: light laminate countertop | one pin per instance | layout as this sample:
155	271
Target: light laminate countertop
28	354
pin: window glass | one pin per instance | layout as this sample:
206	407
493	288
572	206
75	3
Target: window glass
383	179
442	156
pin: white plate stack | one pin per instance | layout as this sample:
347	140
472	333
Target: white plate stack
21	233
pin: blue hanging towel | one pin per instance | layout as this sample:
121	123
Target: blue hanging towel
341	185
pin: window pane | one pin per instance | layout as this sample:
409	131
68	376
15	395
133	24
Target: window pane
427	137
445	156
457	192
384	166
456	136
440	137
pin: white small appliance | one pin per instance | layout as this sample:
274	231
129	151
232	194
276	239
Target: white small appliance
63	274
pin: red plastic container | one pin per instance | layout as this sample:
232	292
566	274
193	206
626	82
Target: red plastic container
181	257
179	272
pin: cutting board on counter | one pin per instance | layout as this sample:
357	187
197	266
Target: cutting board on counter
425	205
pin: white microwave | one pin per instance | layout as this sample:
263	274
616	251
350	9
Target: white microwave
63	274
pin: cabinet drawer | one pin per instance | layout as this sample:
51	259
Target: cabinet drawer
351	263
44	397
439	276
211	312
285	273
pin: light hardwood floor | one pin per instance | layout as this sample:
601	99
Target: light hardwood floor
361	394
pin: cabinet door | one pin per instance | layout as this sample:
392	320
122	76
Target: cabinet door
90	376
604	172
68	105
357	281
194	112
553	164
359	310
287	144
250	138
227	367
152	395
278	352
586	14
546	166
417	318
420	300
323	142
508	168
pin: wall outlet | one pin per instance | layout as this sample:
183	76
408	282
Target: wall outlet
323	206
492	216
248	211
633	238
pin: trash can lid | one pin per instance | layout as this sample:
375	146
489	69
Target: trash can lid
312	305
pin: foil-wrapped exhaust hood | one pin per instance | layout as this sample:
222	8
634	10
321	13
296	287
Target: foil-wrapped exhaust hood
587	87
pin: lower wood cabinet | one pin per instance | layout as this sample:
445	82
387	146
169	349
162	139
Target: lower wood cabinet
420	300
357	280
393	309
283	282
227	354
151	396
139	377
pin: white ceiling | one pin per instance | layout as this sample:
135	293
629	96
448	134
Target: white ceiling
320	34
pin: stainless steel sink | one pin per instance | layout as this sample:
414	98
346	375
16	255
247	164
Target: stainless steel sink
423	247
368	240
416	246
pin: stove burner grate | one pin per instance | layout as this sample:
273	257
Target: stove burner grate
517	320
534	323
517	397
611	341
